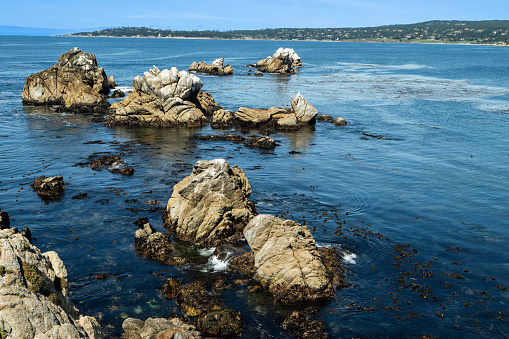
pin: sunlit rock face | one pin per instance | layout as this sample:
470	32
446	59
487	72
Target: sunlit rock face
160	98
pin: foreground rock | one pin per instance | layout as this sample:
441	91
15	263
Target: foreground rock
216	68
51	187
283	62
287	261
155	244
304	111
160	98
74	82
34	294
158	328
211	206
209	314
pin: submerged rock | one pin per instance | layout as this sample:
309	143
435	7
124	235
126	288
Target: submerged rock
287	261
324	117
216	68
260	142
51	187
212	318
339	121
159	328
301	324
283	62
74	82
112	163
211	206
160	98
34	286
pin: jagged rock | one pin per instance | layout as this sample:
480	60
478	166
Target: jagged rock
34	294
159	328
283	61
215	68
287	261
260	142
155	244
51	187
222	118
339	121
301	324
304	111
160	98
111	82
333	260
5	222
74	82
210	206
324	117
117	94
206	103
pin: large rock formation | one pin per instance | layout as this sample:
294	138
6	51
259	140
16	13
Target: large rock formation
211	206
216	68
160	98
287	261
284	118
283	61
74	82
34	296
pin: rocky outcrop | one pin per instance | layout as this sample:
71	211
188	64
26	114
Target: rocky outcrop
160	98
111	82
74	82
283	62
51	187
34	296
283	118
301	324
287	261
216	68
158	328
222	118
206	103
210	206
303	110
155	244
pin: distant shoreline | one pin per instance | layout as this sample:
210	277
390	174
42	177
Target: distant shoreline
427	42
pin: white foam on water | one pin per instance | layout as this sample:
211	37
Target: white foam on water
206	252
349	258
218	265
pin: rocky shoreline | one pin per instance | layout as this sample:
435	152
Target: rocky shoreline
208	208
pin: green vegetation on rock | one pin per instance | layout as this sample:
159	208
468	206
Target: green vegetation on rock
33	277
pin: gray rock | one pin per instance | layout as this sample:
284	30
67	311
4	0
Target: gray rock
160	98
211	205
304	111
34	296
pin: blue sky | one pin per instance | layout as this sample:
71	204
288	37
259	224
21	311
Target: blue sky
241	14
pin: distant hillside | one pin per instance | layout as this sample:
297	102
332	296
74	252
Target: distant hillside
477	32
31	31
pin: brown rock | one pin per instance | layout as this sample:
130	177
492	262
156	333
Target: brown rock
287	261
74	82
51	187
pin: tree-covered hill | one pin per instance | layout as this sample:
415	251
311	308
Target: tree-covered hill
480	32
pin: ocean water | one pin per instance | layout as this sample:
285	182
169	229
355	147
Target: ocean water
421	214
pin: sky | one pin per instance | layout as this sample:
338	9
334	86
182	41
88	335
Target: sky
241	14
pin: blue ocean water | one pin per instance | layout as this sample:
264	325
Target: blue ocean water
423	211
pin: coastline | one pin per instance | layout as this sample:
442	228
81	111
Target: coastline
425	42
